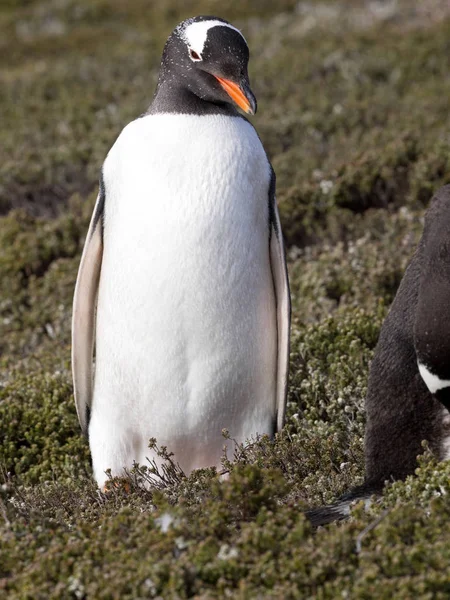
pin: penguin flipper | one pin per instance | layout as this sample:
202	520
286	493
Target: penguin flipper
83	315
432	323
283	304
431	333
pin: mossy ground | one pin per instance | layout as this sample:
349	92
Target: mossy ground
353	111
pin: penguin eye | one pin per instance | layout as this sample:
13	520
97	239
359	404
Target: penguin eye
194	55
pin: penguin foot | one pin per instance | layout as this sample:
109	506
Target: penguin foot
116	484
340	510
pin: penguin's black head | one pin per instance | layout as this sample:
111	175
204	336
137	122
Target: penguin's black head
205	58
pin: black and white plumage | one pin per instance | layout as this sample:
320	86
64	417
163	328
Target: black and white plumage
185	263
409	381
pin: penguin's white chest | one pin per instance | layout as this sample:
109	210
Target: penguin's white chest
186	341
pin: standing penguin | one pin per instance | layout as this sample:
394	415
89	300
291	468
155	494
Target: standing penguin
183	276
408	396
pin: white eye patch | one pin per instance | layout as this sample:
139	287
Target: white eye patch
196	33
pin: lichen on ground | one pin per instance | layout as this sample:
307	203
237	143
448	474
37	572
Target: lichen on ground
353	111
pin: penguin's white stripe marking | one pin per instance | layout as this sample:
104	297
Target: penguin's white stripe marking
196	33
445	444
433	382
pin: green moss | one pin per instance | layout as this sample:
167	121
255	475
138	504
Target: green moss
39	429
37	271
243	539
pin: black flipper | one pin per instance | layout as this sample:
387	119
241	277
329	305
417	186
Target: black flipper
83	316
283	302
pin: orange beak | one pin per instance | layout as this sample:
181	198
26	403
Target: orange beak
237	95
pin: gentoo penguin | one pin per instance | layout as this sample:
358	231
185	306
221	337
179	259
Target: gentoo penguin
408	397
183	275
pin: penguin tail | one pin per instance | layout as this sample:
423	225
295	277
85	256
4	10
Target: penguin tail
340	510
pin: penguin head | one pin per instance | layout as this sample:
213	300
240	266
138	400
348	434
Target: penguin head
208	57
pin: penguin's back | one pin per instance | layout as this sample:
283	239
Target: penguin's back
186	338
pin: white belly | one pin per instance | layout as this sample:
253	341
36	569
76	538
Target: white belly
186	339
